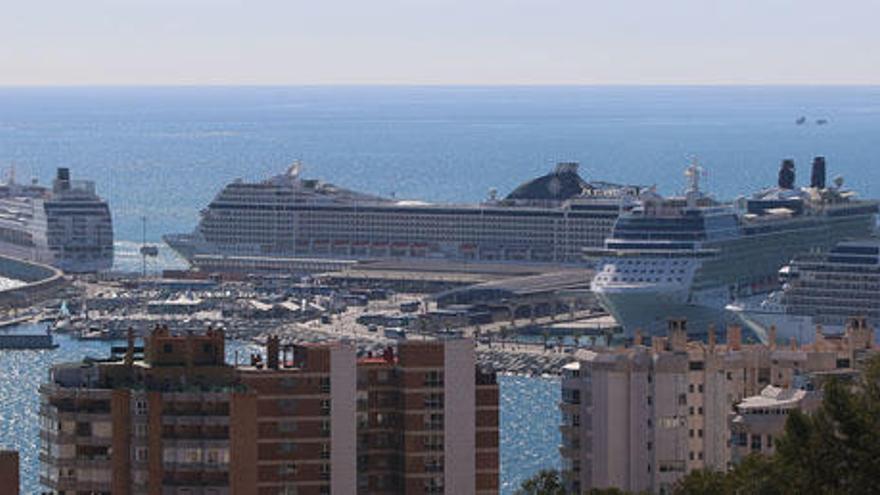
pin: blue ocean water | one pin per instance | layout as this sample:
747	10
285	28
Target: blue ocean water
164	152
529	434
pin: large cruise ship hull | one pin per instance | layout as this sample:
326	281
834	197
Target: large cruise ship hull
647	311
800	328
286	217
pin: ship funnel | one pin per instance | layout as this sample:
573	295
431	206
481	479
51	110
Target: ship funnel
817	179
786	174
62	179
566	168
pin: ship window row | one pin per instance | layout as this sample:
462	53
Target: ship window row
838	287
603	278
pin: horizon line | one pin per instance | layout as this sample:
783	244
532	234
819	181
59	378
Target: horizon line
440	85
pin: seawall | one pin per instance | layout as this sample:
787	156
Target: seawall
41	282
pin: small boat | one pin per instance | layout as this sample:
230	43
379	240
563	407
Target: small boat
801	120
821	121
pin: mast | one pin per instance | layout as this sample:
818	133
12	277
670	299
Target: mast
693	173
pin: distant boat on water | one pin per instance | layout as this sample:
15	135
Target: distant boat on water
821	121
800	120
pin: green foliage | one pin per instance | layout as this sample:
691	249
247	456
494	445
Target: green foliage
546	482
702	481
835	450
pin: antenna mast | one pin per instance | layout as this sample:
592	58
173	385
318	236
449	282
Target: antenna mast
693	173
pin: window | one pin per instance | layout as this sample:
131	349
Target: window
434	401
140	430
167	348
756	442
140	454
140	407
287	405
701	388
434	379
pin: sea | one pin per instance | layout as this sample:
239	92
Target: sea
160	154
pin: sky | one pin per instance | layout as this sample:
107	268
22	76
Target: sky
495	42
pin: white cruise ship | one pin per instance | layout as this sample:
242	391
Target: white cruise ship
67	226
289	218
692	256
820	289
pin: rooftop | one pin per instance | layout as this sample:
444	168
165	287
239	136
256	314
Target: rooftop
773	397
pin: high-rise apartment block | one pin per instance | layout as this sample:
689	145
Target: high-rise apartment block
9	472
639	418
178	419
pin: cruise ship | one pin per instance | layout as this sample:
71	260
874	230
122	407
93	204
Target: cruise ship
68	226
820	289
289	221
691	256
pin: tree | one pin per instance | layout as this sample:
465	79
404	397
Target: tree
545	482
701	481
834	450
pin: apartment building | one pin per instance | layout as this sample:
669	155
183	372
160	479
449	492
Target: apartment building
175	418
760	419
9	471
429	421
639	418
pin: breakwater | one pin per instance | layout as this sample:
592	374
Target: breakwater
39	282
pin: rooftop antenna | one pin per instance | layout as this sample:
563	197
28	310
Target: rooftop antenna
146	250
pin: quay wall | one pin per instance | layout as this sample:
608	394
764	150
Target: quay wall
40	341
41	282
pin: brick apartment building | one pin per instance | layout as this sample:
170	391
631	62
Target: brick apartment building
177	419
